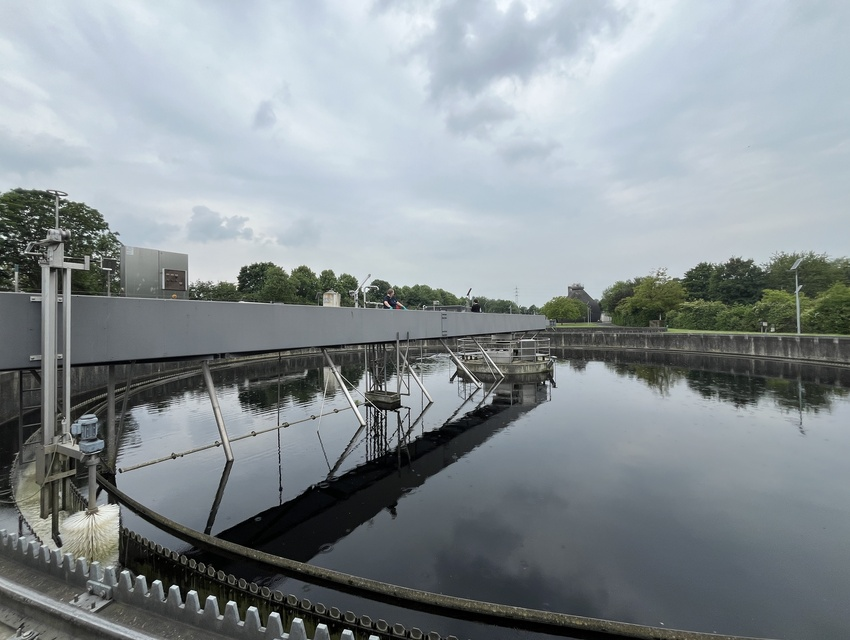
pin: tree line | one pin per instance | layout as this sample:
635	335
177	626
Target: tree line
25	214
739	295
268	282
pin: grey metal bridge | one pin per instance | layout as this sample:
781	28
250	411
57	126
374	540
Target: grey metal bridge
112	330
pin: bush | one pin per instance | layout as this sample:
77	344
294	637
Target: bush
699	314
830	312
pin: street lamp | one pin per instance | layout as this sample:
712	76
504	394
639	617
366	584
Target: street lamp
797	288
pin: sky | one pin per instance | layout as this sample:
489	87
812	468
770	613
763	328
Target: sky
510	147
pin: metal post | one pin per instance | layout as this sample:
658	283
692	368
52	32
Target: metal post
219	420
91	463
109	429
493	366
66	351
797	290
417	379
461	366
348	397
48	349
797	296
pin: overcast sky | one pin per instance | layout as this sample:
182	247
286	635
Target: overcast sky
511	147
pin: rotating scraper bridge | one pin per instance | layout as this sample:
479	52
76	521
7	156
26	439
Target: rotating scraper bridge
111	331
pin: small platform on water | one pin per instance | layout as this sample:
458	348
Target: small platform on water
513	356
384	399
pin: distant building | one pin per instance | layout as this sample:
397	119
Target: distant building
577	292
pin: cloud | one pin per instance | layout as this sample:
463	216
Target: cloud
475	44
479	119
147	232
264	116
523	148
650	124
207	225
303	232
39	152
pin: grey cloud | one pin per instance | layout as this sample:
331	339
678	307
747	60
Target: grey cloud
207	225
474	44
144	232
480	119
264	117
521	149
302	233
38	153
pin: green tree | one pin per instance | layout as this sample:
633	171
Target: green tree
24	217
699	315
779	310
446	297
252	277
306	285
816	273
377	294
697	281
277	286
497	305
737	281
219	291
830	312
346	283
655	295
739	317
420	295
616	293
564	309
327	281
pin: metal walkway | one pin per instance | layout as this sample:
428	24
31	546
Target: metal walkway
108	330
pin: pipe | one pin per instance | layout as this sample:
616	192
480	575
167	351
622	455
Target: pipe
219	419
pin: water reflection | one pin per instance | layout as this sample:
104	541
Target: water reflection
396	465
300	387
740	382
649	488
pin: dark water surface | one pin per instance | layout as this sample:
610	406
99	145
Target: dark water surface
653	494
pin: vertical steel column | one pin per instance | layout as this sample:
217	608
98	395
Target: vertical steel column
21	414
109	429
49	302
66	351
219	420
397	364
48	348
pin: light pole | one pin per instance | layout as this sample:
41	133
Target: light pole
797	288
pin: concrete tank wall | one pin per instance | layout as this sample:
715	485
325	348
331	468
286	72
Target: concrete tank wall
815	349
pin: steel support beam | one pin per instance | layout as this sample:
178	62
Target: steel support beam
219	419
